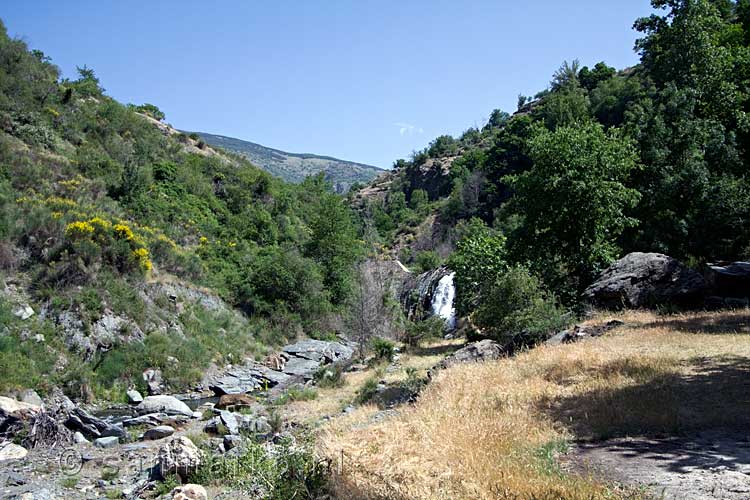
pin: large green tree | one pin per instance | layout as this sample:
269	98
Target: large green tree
573	202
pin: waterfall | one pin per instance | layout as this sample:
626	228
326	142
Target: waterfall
442	301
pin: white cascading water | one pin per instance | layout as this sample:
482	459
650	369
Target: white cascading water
442	301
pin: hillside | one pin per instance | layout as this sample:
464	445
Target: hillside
295	167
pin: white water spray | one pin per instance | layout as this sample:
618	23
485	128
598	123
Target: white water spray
442	301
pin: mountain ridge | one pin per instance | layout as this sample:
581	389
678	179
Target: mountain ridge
295	167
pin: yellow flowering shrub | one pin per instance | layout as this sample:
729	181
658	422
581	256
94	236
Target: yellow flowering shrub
79	229
60	204
142	256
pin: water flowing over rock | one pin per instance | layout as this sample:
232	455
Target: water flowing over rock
417	294
442	301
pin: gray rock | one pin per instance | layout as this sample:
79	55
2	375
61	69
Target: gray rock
80	420
178	456
231	441
164	404
242	379
154	381
320	351
159	432
15	479
300	367
24	312
150	419
30	396
134	397
484	350
229	421
646	279
11	451
79	438
729	279
106	442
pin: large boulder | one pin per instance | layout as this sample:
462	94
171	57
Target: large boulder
320	351
646	279
11	451
163	404
94	427
189	492
17	409
729	279
484	350
178	456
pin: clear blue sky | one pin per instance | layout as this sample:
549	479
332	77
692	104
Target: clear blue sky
368	81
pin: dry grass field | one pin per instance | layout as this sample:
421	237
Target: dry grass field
497	430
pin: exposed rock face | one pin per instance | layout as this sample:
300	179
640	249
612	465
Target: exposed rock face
154	381
178	456
230	400
416	297
164	404
433	176
304	359
484	350
24	312
17	409
646	279
106	442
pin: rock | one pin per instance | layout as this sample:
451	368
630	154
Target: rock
11	451
237	400
212	426
729	279
320	351
484	350
15	479
300	367
39	338
252	376
31	397
79	438
17	409
178	456
150	419
134	397
231	441
164	404
80	420
254	425
189	492
158	432
230	421
24	312
106	442
153	380
579	332
646	279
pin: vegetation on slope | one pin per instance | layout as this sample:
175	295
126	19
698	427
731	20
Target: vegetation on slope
295	167
603	162
96	201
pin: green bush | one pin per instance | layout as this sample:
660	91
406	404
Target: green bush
368	391
383	348
516	311
426	261
417	332
328	376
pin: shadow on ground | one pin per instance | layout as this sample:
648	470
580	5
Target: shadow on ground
706	323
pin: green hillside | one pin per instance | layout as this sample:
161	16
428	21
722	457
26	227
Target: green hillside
295	167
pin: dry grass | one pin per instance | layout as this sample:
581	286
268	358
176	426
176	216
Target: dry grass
330	401
491	430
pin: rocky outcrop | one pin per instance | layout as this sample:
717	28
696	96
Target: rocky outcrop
158	432
304	359
579	332
189	492
646	279
417	293
10	451
93	427
484	350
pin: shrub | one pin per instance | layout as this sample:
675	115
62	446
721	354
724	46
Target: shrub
329	376
418	331
368	391
516	311
426	261
383	348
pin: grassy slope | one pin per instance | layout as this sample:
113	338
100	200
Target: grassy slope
294	167
493	430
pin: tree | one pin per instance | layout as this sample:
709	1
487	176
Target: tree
590	78
573	202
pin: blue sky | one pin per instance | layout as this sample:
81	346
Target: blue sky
363	80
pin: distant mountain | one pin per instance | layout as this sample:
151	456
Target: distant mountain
294	167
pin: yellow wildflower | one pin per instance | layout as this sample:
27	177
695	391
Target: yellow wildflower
79	228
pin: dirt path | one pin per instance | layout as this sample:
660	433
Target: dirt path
712	465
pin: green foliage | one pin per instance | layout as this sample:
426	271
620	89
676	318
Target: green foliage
480	256
384	349
426	261
329	376
368	391
417	332
573	202
291	471
516	311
